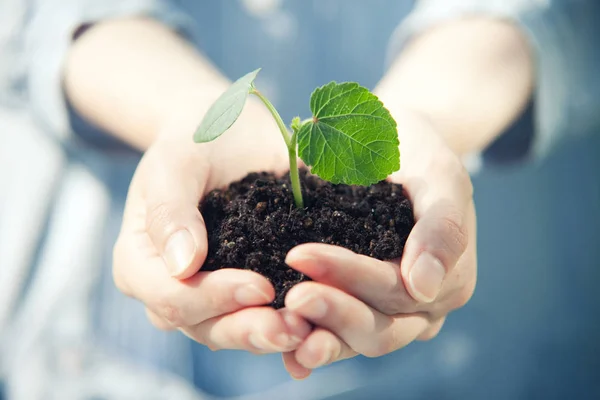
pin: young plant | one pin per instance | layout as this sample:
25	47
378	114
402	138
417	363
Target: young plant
351	138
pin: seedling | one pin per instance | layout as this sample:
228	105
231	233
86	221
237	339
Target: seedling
351	137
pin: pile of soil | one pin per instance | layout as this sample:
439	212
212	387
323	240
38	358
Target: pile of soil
253	223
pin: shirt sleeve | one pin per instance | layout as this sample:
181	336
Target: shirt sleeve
562	34
49	34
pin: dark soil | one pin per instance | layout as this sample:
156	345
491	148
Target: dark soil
253	223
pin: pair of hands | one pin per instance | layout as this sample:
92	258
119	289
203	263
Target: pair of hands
357	305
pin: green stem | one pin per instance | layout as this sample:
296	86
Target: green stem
275	114
294	175
291	143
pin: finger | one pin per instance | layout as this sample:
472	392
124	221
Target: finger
172	190
187	302
159	322
440	190
293	367
434	246
297	326
207	295
258	329
377	283
433	330
322	348
364	329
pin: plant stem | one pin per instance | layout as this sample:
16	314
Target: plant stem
275	114
291	143
294	175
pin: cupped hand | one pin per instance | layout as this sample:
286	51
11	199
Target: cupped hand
163	243
360	305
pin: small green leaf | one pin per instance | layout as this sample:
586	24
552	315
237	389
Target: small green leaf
296	124
226	110
352	138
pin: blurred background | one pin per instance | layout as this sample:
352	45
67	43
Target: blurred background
531	331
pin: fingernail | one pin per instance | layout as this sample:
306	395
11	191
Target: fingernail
294	324
301	377
249	295
311	306
326	356
259	342
283	340
262	343
295	340
179	252
307	263
291	320
298	256
294	256
426	277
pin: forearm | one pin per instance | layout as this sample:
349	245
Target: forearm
131	77
471	78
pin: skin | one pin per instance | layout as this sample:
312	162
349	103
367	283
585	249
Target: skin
443	114
154	101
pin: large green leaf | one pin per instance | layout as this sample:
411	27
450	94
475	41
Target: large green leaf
352	137
226	110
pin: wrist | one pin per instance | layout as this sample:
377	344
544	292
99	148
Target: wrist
471	77
137	95
417	130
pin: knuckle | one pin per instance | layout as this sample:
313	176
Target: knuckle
390	305
168	308
454	232
216	299
394	299
345	318
172	314
219	302
396	302
386	342
158	216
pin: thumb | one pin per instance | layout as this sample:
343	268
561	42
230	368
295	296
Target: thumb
436	243
173	221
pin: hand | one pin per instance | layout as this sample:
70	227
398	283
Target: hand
365	306
163	243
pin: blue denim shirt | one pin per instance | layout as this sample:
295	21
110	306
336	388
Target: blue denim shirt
529	331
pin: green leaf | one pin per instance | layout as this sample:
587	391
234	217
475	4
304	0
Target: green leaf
226	110
352	138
